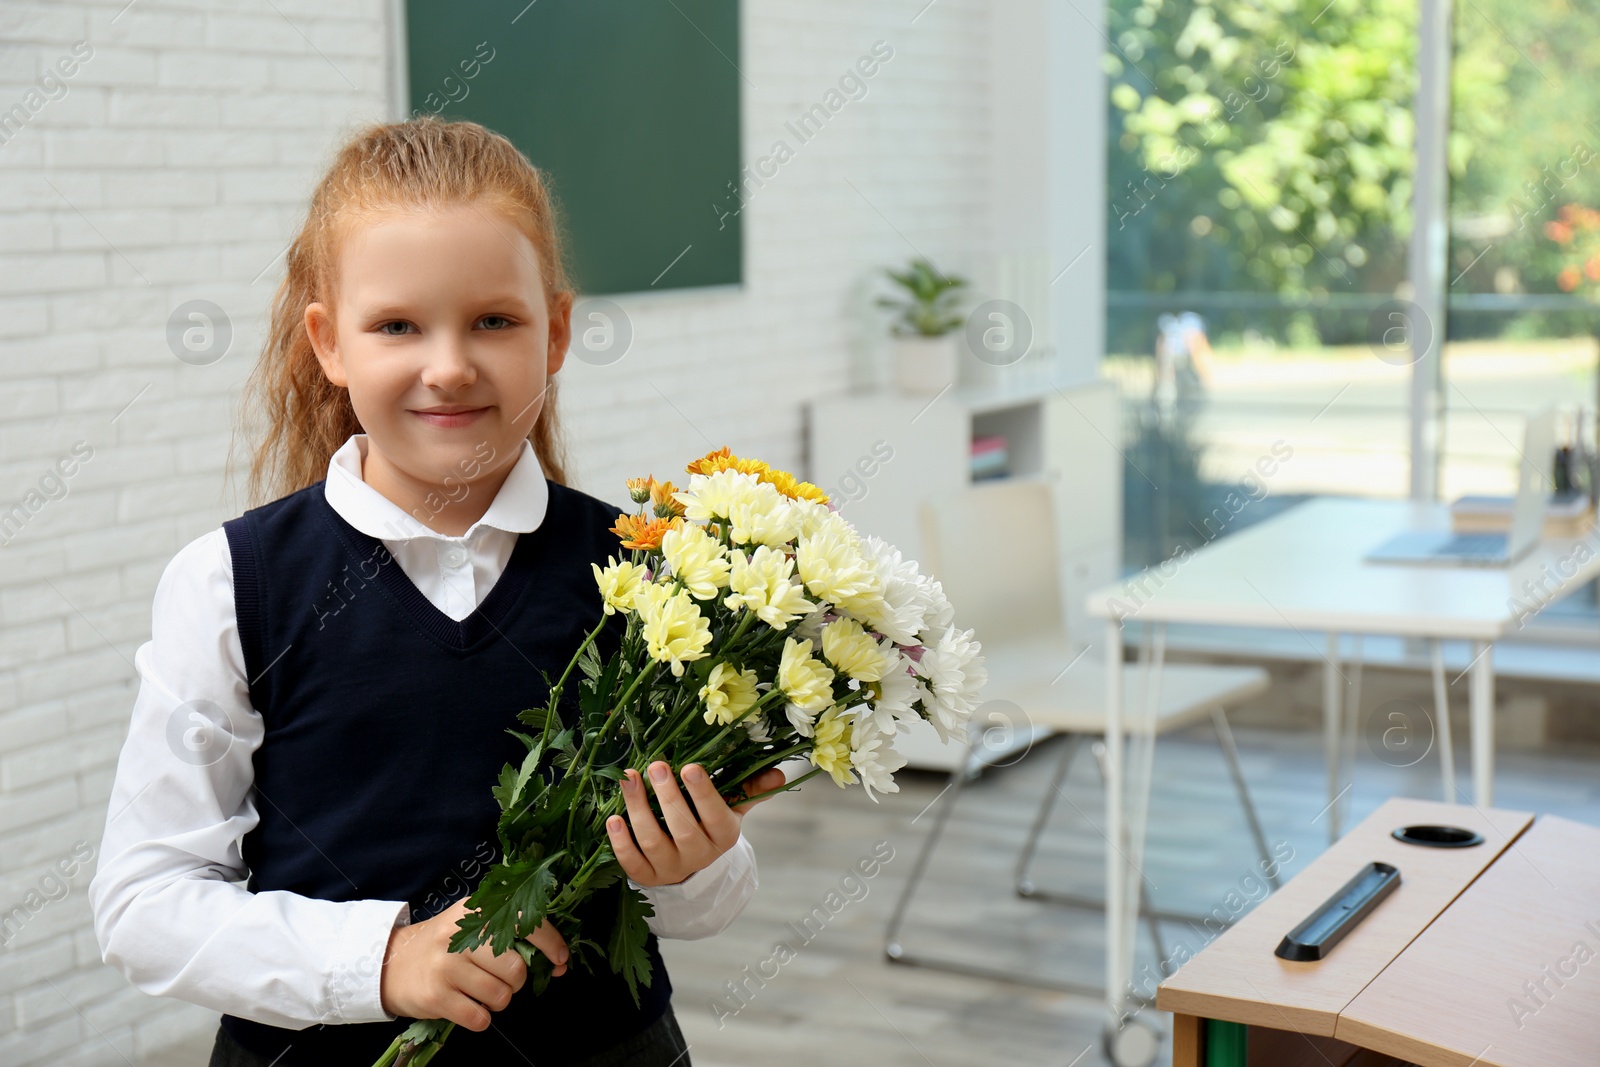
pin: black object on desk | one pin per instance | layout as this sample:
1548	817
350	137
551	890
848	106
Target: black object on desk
1324	928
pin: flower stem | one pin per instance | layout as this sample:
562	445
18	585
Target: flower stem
555	692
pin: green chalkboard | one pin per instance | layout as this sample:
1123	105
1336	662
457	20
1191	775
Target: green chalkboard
631	107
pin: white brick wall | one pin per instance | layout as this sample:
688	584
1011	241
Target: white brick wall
175	167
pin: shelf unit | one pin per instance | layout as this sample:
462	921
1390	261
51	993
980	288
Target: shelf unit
881	455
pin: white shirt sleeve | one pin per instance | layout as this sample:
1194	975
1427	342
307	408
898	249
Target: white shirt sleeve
166	911
706	902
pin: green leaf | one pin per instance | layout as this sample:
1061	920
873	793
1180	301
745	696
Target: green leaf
506	790
537	717
589	662
522	888
627	949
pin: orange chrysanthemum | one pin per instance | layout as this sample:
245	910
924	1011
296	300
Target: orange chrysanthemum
642	532
661	501
639	488
704	465
723	460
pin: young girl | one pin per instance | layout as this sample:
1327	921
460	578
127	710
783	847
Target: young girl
324	701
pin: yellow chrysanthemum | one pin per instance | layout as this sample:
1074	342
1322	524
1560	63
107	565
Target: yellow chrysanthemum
710	497
674	630
696	559
760	515
793	488
619	584
639	489
728	693
804	679
830	747
852	650
764	583
831	564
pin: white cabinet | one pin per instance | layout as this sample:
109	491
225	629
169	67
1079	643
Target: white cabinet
880	456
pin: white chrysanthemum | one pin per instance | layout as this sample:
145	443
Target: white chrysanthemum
696	559
831	564
803	721
873	757
764	582
903	600
756	727
953	667
897	691
810	627
940	614
760	515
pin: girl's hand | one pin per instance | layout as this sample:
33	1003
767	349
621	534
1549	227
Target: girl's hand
423	979
652	856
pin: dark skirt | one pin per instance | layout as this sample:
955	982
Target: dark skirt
660	1044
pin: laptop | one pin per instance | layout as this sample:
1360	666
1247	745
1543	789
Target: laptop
1450	549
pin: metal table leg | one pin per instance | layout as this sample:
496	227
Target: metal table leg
1441	713
1331	709
1118	955
1482	709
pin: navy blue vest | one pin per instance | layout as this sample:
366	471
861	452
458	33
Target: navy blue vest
386	729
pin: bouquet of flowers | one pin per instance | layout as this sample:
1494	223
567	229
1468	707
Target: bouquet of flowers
761	627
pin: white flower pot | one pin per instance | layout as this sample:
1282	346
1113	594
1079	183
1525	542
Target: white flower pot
924	365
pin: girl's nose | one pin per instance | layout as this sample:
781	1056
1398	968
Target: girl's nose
449	366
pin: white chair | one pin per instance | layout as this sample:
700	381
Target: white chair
995	550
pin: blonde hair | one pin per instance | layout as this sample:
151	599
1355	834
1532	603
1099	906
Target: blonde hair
416	163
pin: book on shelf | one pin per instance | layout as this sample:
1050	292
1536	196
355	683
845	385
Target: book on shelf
990	457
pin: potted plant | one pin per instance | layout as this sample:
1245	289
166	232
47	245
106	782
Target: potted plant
927	317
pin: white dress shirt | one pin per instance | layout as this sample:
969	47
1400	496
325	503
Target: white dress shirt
167	912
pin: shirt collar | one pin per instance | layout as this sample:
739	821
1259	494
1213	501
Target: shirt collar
519	506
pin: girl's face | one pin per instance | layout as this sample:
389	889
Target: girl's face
442	334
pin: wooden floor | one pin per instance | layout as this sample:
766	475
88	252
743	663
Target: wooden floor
838	1001
835	999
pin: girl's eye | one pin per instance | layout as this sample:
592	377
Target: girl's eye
495	322
395	328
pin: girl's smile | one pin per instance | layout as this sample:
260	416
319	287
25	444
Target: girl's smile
450	416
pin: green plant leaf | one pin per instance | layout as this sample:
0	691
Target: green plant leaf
627	949
523	888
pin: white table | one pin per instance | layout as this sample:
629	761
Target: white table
1302	570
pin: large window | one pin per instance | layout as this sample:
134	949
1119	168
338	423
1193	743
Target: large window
1262	161
1259	174
1524	256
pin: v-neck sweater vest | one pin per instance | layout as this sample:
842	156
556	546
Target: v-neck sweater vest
386	726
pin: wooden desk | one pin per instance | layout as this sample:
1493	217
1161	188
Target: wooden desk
1486	956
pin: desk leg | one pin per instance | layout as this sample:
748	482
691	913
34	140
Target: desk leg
1119	957
1186	1041
1331	731
1483	723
